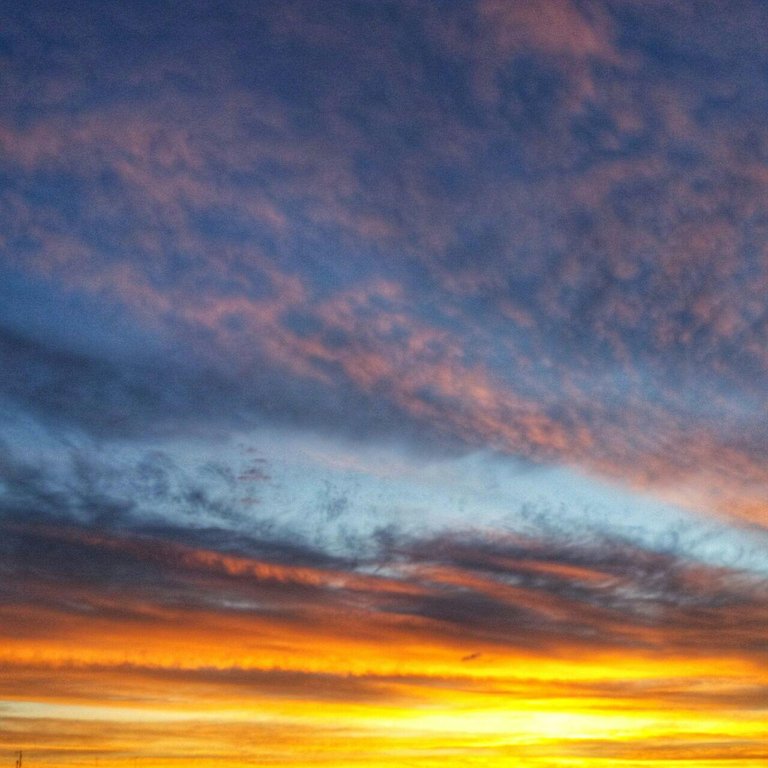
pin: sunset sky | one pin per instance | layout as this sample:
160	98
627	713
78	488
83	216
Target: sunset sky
384	383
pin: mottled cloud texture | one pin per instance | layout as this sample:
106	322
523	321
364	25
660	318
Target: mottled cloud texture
271	272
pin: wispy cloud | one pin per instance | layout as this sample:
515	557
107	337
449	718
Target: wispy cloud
486	621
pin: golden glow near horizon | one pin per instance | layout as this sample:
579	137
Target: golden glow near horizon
490	721
147	683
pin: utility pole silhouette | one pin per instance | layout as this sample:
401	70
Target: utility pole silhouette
18	760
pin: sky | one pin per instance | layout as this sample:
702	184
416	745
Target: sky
384	383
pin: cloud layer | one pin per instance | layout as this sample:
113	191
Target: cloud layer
537	227
529	234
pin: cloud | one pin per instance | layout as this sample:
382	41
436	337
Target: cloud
116	608
563	266
522	230
486	592
99	626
